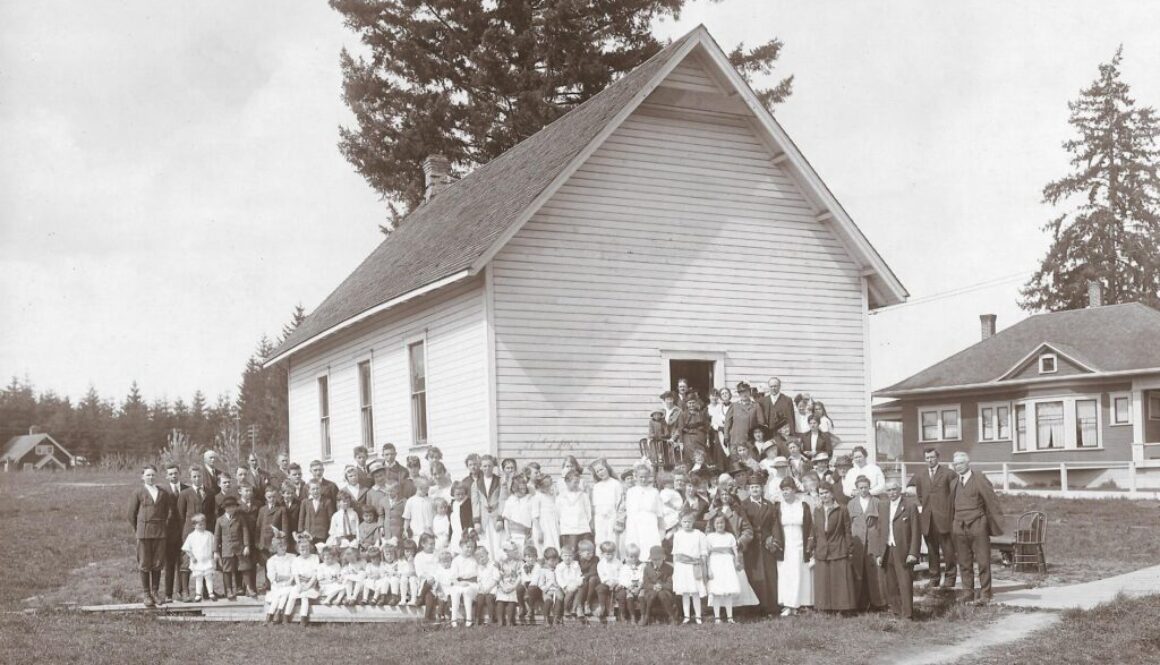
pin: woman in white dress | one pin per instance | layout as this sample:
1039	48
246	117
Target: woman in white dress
724	562
642	508
440	481
545	516
607	503
517	512
795	582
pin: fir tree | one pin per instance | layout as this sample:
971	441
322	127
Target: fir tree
471	78
1112	235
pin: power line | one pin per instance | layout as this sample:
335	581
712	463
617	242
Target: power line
942	295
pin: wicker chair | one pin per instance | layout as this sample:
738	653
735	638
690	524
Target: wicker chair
1030	534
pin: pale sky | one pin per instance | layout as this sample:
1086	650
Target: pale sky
170	185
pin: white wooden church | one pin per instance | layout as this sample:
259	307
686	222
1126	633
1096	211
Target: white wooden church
537	307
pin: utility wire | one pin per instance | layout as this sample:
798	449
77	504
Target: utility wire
942	295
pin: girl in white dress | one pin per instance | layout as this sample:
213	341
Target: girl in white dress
575	512
724	562
607	504
545	517
517	512
642	509
280	577
331	588
305	570
690	558
441	525
795	582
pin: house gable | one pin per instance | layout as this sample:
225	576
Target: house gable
1048	360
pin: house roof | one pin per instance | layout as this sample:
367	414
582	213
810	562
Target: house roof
18	446
1113	339
453	235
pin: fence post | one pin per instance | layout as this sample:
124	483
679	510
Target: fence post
1063	477
1006	478
1131	479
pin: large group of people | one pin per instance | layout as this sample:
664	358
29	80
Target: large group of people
708	520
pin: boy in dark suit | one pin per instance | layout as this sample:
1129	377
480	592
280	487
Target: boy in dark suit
315	512
194	500
225	489
173	539
149	509
932	486
248	512
271	518
232	540
658	586
328	488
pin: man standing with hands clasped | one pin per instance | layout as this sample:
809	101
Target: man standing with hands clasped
149	509
895	549
932	487
974	519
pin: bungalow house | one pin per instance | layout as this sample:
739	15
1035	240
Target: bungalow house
1080	387
537	307
35	452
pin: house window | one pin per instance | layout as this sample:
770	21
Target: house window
417	354
939	423
1020	427
365	405
995	422
1086	423
1153	407
1049	425
324	415
1047	363
1121	409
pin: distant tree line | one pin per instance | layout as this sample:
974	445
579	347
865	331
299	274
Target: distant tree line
132	427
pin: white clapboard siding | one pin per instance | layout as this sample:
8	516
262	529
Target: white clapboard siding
455	328
678	234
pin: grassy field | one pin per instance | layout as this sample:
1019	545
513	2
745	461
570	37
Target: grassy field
67	540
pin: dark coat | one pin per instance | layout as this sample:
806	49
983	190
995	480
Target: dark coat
653	575
934	496
231	536
863	526
150	517
209	479
329	491
740	420
270	518
398	473
692	430
777	413
173	526
980	484
825	443
807	530
259	481
189	504
907	537
760	561
317	522
834	540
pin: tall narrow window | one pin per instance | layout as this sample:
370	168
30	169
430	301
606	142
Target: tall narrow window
366	410
1086	423
987	423
418	361
1003	422
324	415
1020	427
1049	425
950	423
1121	410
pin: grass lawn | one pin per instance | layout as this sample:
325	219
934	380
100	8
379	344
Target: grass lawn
1124	631
67	540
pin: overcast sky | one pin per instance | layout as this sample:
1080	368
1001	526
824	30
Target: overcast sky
170	185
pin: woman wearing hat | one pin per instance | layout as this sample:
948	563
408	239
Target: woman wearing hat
778	470
741	417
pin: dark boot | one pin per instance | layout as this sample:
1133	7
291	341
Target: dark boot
147	590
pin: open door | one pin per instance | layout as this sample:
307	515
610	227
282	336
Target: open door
698	373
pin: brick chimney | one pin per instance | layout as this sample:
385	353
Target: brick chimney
33	429
436	175
1095	293
987	325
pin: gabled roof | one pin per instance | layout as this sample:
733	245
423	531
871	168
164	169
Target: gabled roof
1109	340
454	235
18	446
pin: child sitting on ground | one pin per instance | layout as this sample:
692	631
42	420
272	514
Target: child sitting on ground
331	588
389	582
631	585
488	581
353	575
608	578
549	588
408	581
373	577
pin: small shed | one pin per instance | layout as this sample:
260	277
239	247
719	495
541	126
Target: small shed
34	452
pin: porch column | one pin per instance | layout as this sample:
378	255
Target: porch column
1138	402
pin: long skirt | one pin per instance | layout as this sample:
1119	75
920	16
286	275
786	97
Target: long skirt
834	585
746	597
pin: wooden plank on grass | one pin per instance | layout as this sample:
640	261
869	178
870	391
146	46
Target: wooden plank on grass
172	607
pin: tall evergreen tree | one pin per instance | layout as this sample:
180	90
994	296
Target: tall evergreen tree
471	78
133	425
296	319
1112	235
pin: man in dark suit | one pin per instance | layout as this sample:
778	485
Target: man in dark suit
361	456
975	516
328	488
777	408
932	487
397	473
257	478
209	476
282	473
895	548
173	540
761	555
195	499
149	509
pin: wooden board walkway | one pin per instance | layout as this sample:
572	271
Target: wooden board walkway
243	601
318	614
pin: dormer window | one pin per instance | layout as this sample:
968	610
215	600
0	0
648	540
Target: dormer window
1047	363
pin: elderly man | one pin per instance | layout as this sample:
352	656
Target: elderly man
975	517
932	487
863	467
777	408
895	547
209	476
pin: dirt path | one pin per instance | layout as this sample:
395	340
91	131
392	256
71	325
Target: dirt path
1006	630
